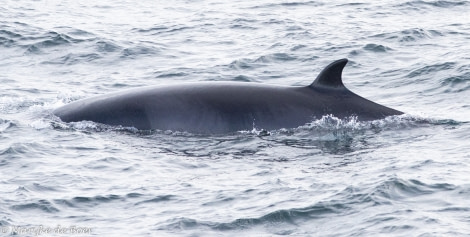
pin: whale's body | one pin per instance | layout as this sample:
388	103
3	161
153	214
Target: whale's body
222	107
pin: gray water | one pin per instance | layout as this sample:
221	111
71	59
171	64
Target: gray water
401	176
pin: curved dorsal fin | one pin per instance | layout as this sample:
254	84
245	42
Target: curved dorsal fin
330	76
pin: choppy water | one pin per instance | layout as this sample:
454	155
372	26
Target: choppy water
401	176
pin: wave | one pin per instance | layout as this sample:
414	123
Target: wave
396	189
249	64
442	78
371	47
290	4
100	49
431	69
175	72
41	205
409	35
8	38
158	199
378	48
5	125
106	46
350	201
243	23
288	216
50	39
81	202
438	4
74	58
456	84
70	46
139	51
163	30
15	150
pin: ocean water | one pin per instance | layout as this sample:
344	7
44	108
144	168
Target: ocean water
401	176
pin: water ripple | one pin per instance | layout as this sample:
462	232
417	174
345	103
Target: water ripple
409	35
438	3
426	70
41	205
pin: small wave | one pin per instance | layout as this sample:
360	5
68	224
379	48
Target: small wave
450	122
151	30
138	51
159	30
307	3
73	58
107	46
10	34
97	199
34	40
288	216
49	40
409	35
276	57
376	48
298	47
78	32
81	201
14	149
41	205
243	78
6	42
93	49
242	23
290	4
158	199
440	4
175	73
455	84
133	195
9	38
242	64
397	189
42	188
261	61
245	20
426	70
353	4
5	125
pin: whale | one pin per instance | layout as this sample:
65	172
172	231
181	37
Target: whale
226	107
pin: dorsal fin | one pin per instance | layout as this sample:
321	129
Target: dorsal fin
330	76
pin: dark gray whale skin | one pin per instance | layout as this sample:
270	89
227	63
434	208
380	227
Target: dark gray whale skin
224	107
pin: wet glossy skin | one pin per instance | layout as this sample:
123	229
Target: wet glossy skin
221	107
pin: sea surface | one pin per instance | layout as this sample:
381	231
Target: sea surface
405	175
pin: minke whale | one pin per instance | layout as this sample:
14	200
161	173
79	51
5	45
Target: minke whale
224	107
